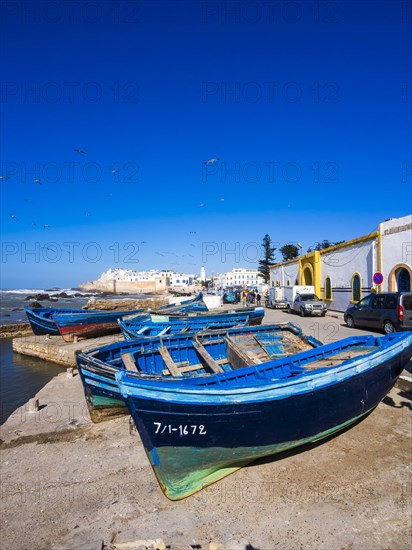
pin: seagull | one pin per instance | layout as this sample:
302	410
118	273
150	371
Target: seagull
211	161
143	242
34	224
222	200
4	177
202	204
87	214
114	171
15	217
192	233
79	151
46	225
159	254
37	181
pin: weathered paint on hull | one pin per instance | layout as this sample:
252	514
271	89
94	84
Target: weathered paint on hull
191	442
105	408
89	331
188	462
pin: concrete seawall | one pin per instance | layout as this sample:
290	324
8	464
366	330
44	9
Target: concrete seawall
55	349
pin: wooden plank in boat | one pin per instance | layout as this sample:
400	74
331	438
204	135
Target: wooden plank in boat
188	368
335	359
268	356
206	356
191	368
128	362
238	357
170	364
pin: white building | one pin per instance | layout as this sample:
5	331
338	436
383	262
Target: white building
129	275
239	277
342	274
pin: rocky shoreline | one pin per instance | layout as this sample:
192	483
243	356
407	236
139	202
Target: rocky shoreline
15	330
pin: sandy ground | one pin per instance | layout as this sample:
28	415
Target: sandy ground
67	483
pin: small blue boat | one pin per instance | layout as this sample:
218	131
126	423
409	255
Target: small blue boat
189	306
255	314
154	324
182	355
42	322
198	430
89	324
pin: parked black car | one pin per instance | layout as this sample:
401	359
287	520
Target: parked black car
387	311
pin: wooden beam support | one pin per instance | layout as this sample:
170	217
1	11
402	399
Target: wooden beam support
170	364
205	355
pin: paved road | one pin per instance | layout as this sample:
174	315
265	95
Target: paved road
327	329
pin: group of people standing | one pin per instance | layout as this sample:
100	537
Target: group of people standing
250	297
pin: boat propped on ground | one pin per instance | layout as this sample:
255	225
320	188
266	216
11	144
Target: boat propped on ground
89	324
197	430
154	324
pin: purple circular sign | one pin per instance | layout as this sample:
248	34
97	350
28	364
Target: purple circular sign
377	278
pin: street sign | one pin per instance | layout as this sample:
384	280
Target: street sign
377	278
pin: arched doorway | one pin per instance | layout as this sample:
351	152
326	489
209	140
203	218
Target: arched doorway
403	280
307	275
400	278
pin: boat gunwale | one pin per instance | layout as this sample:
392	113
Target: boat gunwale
170	390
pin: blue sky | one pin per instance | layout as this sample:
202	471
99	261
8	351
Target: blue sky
306	104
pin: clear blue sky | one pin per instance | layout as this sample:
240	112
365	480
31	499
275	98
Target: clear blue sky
307	105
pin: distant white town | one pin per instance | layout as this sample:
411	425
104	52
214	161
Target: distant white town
128	280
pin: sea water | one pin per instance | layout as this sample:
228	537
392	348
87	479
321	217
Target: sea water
21	376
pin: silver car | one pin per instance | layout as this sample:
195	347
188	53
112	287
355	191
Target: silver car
307	304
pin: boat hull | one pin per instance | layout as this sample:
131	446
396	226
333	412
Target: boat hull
90	325
42	322
194	437
132	329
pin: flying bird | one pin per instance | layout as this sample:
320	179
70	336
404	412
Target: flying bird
79	151
222	200
46	225
37	181
114	171
211	161
159	254
202	204
4	177
143	242
15	217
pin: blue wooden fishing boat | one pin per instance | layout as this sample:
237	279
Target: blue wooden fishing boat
159	325
255	314
42	322
89	324
182	355
197	430
192	305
